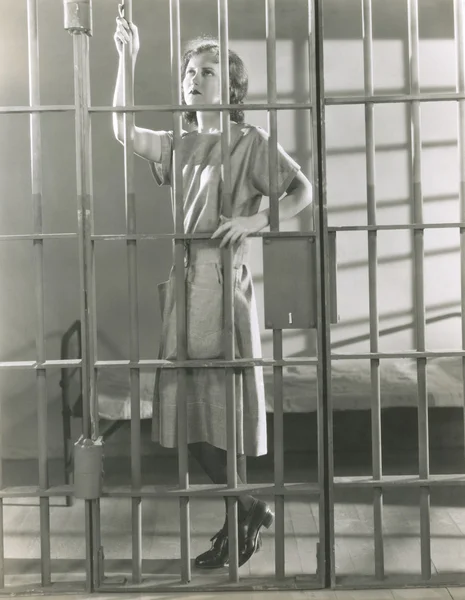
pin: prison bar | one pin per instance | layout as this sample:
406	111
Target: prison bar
326	554
131	229
259	489
419	288
113	237
329	101
228	292
278	441
322	450
376	443
459	23
181	319
86	264
38	247
158	491
2	539
240	363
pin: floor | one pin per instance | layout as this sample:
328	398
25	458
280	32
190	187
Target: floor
160	530
397	594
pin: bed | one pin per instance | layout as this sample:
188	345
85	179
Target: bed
351	389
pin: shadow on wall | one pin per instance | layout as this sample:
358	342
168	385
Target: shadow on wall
346	176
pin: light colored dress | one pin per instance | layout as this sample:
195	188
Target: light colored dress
200	155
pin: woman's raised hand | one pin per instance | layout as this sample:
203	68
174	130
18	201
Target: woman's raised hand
124	33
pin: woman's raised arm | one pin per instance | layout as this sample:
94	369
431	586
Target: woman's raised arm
147	142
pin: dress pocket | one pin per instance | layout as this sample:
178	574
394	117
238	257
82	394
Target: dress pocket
204	322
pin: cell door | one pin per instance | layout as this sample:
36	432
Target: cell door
389	203
291	292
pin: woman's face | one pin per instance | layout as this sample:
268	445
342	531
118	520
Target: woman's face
201	84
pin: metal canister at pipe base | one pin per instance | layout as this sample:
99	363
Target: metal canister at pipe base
78	16
88	468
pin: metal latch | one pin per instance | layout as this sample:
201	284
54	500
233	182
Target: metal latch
88	468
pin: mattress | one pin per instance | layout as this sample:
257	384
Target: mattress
351	387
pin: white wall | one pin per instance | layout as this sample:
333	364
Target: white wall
345	168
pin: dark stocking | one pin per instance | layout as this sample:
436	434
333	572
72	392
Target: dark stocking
214	462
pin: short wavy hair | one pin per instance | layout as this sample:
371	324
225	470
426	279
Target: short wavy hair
238	77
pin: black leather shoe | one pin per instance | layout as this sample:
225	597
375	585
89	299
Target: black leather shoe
218	555
260	515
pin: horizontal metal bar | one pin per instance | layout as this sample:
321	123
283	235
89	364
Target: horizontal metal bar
335	100
48	364
174	587
394	98
51	108
220	364
204	107
6	110
33	491
216	363
127	491
37	236
400	480
197	236
259	489
394	227
206	236
406	354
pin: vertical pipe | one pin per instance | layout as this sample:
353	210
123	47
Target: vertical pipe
377	466
325	416
36	179
134	373
181	325
460	53
94	531
277	334
228	291
418	235
85	225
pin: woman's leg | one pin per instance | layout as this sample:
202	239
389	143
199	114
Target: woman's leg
214	462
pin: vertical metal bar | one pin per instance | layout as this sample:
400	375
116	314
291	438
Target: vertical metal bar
418	236
377	465
2	541
460	50
36	180
228	292
85	227
181	325
94	531
277	334
325	416
312	64
134	373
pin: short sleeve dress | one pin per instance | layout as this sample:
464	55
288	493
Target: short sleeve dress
200	155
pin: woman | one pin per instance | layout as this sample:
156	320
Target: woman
200	155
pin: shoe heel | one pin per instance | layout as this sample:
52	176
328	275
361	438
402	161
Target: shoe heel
268	519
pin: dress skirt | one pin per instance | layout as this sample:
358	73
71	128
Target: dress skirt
206	387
